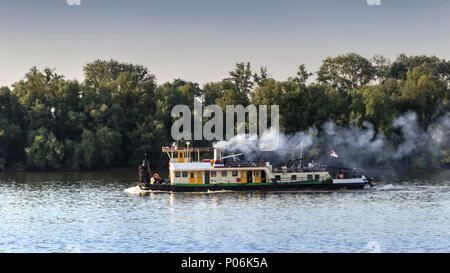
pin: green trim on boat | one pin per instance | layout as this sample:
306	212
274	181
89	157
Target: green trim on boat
247	184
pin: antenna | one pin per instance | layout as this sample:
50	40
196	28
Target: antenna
235	157
188	153
301	154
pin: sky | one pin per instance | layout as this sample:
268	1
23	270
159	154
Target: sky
201	40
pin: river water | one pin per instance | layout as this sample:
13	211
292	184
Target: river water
97	212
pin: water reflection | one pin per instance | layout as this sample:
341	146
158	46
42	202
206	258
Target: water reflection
53	212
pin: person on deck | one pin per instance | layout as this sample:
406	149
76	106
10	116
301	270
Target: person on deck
144	172
156	178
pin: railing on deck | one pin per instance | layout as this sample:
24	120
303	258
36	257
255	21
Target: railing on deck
244	163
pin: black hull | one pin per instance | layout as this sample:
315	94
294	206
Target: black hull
256	187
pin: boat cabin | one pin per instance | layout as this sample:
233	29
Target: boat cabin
187	168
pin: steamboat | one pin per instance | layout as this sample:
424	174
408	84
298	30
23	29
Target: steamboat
189	173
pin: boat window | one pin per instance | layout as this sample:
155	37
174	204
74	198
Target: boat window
224	173
277	177
234	173
177	174
185	174
192	175
199	175
294	177
213	174
310	177
317	177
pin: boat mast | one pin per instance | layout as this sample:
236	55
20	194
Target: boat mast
301	154
187	153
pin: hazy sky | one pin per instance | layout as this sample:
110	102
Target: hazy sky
201	40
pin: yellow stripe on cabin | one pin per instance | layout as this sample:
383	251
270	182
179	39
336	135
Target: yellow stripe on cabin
257	176
191	178
199	178
243	177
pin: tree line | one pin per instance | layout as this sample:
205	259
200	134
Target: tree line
119	112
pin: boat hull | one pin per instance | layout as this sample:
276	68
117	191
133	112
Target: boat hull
256	187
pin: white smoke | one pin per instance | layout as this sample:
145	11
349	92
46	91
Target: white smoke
414	138
246	143
253	146
440	130
356	146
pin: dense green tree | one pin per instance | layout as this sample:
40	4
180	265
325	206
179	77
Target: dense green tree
169	95
222	93
404	64
101	71
88	148
270	93
119	112
45	150
241	77
382	67
422	92
260	78
38	94
378	107
212	91
346	72
106	143
302	75
12	128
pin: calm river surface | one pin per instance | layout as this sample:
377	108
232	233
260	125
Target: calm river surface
92	212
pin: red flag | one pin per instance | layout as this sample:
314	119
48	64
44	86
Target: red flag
334	154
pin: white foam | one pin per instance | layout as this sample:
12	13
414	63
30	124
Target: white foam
391	187
384	187
135	190
219	191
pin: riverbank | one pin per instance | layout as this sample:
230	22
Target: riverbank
19	170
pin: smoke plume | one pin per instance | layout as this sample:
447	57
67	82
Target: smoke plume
357	147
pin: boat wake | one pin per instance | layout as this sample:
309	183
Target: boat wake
388	187
221	191
391	187
138	191
135	190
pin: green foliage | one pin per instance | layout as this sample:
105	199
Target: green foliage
45	150
302	75
346	72
241	78
422	92
101	71
404	64
107	141
12	129
87	148
119	112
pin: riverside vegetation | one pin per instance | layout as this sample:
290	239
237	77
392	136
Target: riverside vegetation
119	111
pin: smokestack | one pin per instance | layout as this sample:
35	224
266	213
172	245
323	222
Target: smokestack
217	154
301	154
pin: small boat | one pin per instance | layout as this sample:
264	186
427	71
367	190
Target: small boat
229	173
